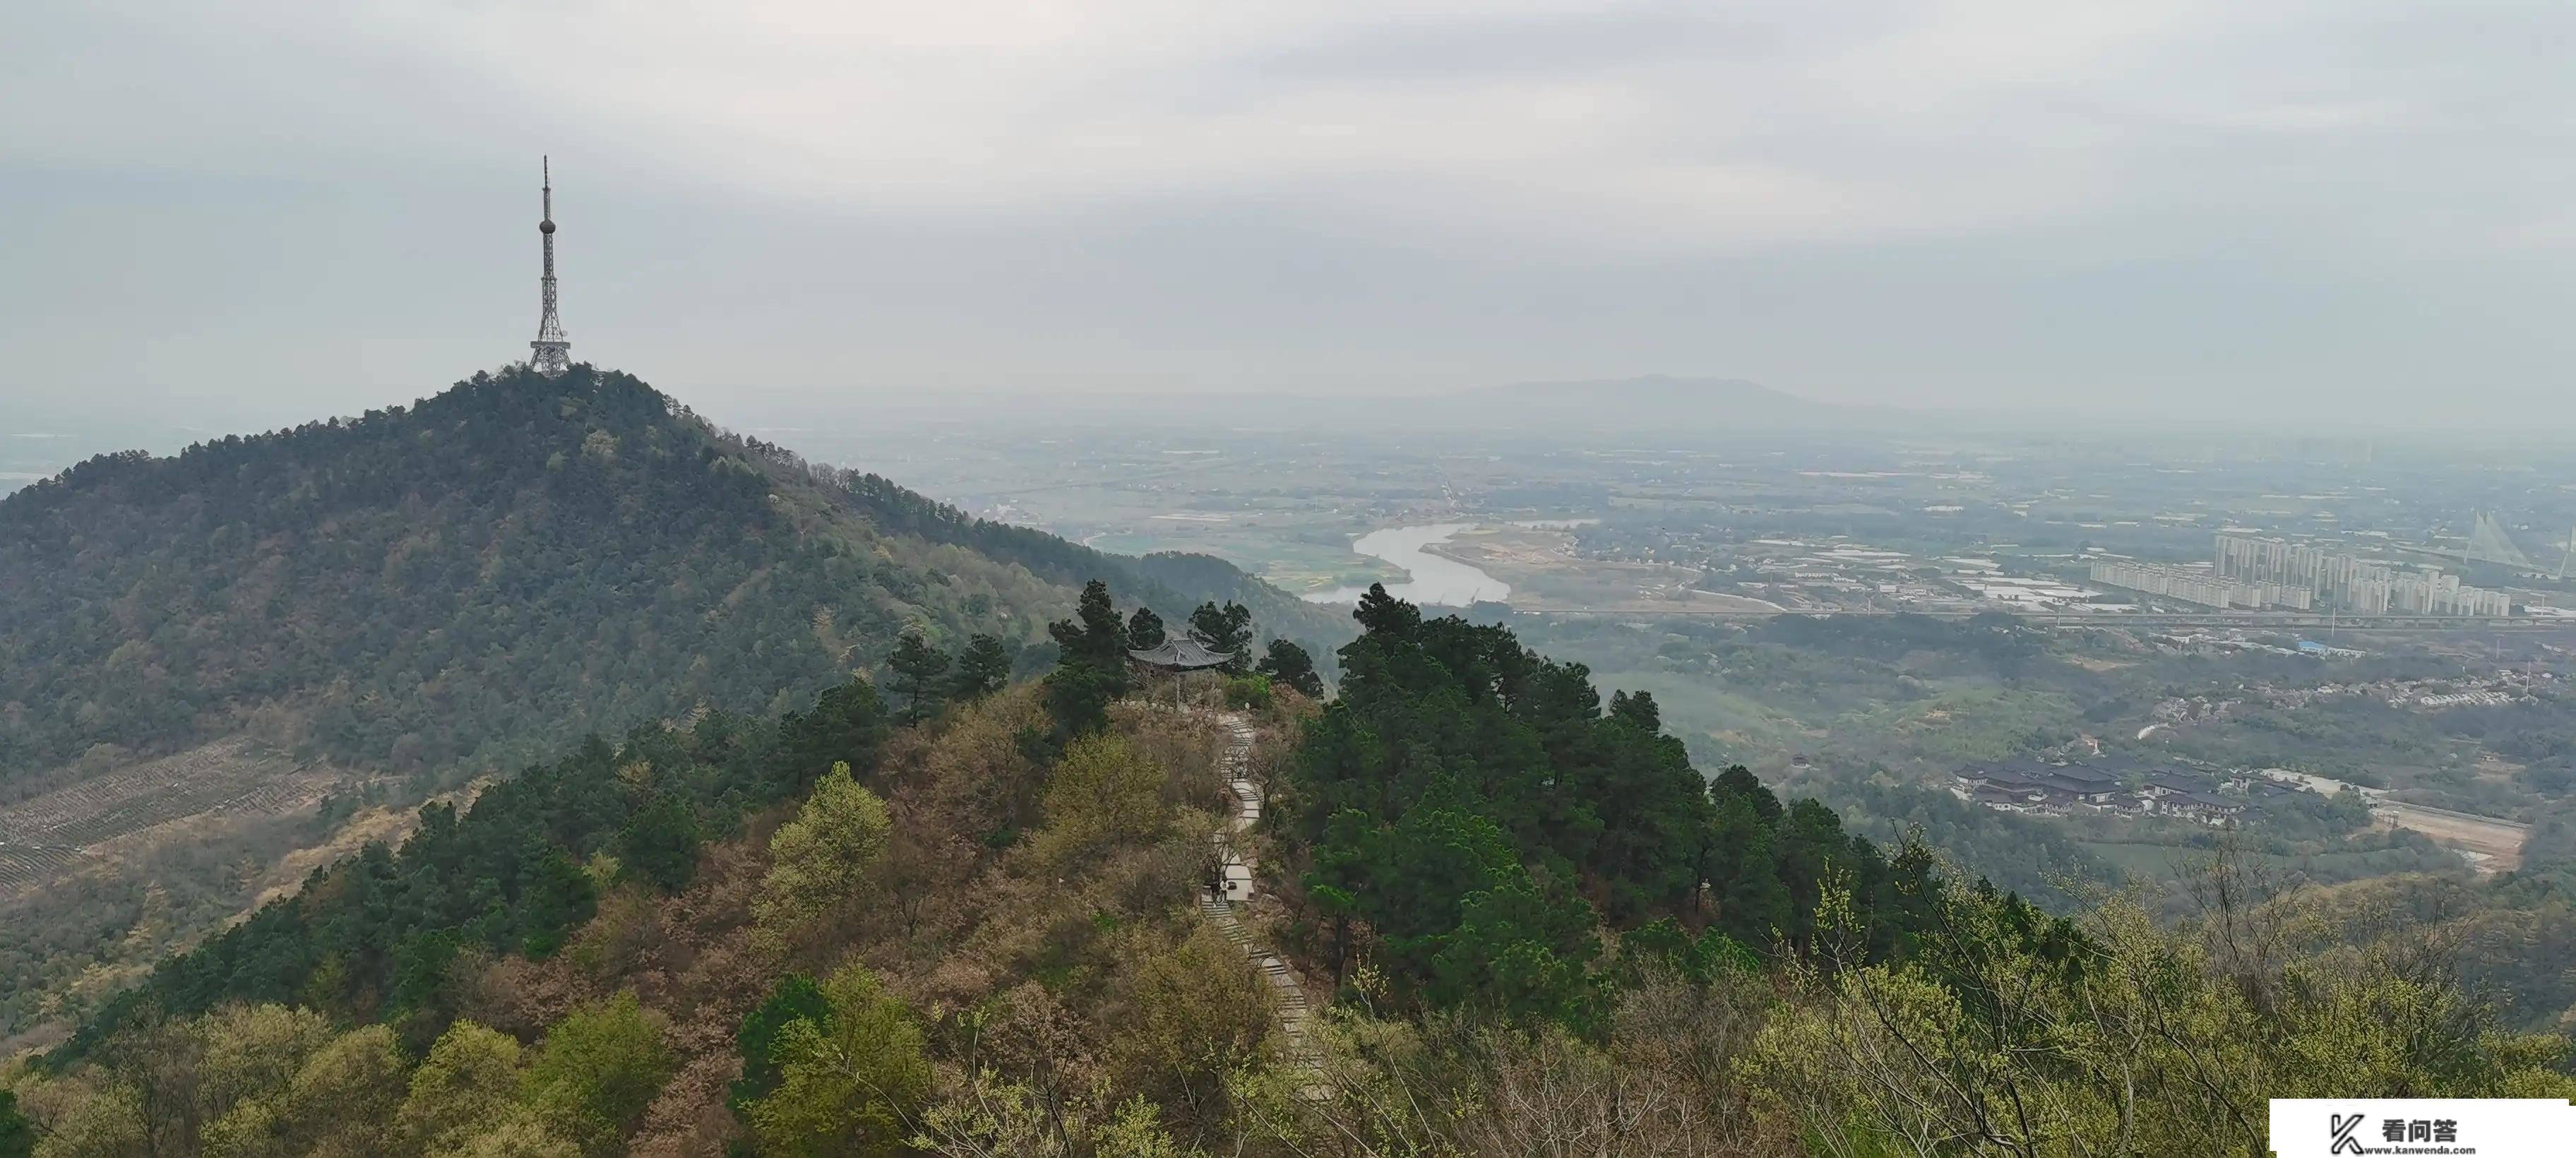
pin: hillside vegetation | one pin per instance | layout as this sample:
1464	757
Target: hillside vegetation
1543	932
310	624
491	573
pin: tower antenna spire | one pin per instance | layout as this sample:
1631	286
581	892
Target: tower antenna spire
551	353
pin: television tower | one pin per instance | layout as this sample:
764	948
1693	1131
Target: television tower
551	353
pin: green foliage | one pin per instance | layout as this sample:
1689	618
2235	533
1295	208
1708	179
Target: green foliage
1248	691
1225	629
1465	796
846	726
1091	670
596	1072
558	897
2108	1032
796	998
1637	710
917	667
660	844
468	581
468	1083
437	585
1102	792
982	669
376	934
1078	696
340	1101
1093	637
451	589
17	1134
1701	959
849	1081
1191	1014
1287	663
837	835
1144	629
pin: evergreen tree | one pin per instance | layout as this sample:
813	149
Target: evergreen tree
1091	670
796	998
1144	629
17	1134
1078	696
850	1080
917	667
559	898
1637	708
1289	664
846	726
982	669
1093	636
661	844
1465	798
1225	629
1383	614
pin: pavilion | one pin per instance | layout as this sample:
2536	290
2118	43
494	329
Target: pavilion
1180	656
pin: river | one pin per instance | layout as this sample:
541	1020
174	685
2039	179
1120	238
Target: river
1429	579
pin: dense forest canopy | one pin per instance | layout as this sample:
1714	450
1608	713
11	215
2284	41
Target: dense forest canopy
1472	808
484	576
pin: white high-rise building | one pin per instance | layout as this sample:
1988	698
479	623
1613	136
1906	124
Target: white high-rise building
2349	582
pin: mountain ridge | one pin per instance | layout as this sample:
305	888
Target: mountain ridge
180	597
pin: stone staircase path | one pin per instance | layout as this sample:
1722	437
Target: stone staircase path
1296	1014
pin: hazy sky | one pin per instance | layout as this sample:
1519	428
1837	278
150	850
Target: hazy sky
2342	207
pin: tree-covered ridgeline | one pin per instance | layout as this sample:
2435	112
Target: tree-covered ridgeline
379	936
476	580
1474	816
974	936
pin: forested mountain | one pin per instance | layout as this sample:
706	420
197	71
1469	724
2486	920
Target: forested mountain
1532	925
493	572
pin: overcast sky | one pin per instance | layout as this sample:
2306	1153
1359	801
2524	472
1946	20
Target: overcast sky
2344	207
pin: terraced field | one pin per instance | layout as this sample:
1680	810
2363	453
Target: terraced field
58	832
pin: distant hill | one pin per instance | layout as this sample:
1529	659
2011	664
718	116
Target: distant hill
487	575
220	668
1653	402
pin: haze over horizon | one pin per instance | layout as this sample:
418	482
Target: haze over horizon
2343	214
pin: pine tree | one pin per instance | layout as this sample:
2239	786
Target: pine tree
917	667
1091	672
982	669
1093	636
1637	708
1144	629
661	844
1289	664
1227	629
17	1135
1382	614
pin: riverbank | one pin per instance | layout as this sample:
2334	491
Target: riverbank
1431	579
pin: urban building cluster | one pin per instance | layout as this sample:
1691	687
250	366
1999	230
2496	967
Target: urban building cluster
2276	574
2201	585
2352	583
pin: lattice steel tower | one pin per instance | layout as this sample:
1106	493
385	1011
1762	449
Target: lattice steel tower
551	353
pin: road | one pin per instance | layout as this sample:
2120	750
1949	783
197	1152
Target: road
2493	844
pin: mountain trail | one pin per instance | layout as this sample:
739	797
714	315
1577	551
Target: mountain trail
1296	1014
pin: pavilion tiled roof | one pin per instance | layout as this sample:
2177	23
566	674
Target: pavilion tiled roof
1182	654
